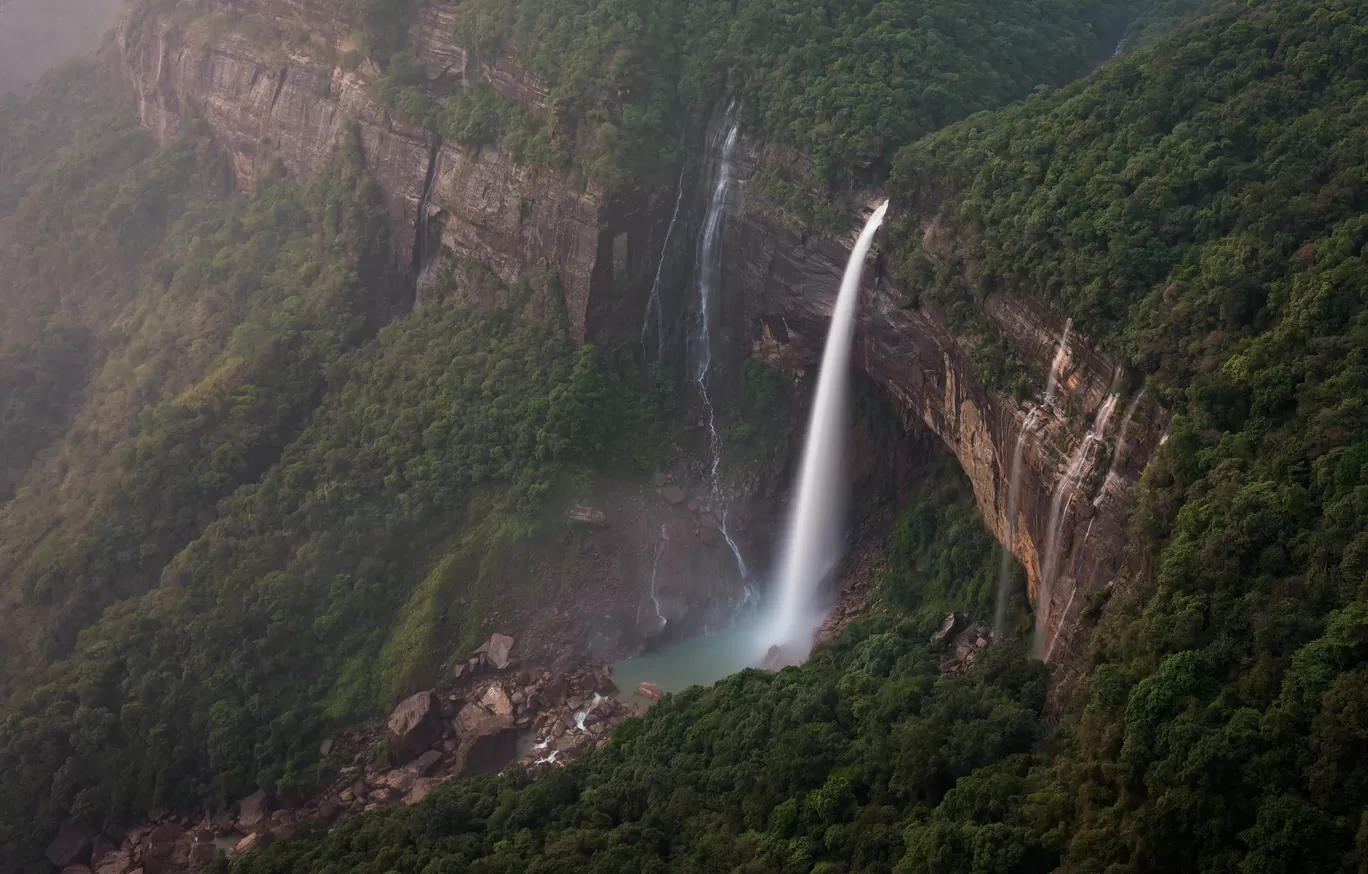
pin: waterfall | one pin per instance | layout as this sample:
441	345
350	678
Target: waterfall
708	271
814	539
653	305
1120	447
1014	483
1060	504
655	573
426	262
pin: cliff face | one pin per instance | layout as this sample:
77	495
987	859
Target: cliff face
1080	452
266	101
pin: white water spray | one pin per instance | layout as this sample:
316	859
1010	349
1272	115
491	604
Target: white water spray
1014	483
653	305
814	540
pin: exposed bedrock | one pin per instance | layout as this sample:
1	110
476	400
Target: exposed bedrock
1082	452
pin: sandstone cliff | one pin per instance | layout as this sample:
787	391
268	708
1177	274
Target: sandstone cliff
1081	452
1074	490
267	98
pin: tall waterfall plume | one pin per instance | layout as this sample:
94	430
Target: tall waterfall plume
814	539
1014	483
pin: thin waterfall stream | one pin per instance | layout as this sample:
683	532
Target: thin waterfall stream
1014	483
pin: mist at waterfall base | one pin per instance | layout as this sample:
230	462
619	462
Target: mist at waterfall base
815	537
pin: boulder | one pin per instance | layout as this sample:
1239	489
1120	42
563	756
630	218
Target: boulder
421	789
71	844
948	628
252	810
400	781
672	493
709	536
253	842
587	516
708	520
474	721
166	849
774	658
325	747
650	691
496	701
423	765
328	807
116	862
415	725
499	647
76	869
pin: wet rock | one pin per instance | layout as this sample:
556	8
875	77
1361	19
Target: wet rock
475	721
587	516
774	658
606	687
69	846
415	725
650	691
948	628
252	843
575	702
707	520
423	765
252	810
496	701
710	536
671	493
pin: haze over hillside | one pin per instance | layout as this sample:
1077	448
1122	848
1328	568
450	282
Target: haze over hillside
36	35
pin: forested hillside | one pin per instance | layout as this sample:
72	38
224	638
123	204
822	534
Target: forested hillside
1202	205
250	496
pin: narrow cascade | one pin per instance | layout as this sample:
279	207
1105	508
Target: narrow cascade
1120	447
813	542
709	278
1014	483
655	311
425	261
1060	504
655	575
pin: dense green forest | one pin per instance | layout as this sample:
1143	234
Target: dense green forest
246	487
849	83
243	489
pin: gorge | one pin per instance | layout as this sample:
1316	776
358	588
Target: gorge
776	282
451	360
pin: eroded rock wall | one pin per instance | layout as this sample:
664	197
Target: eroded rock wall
266	100
783	282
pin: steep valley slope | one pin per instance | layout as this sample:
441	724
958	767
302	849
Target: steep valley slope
337	368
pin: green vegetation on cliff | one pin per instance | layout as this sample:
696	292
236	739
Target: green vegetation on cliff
247	515
837	766
1203	205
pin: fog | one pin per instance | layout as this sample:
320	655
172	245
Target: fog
36	35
